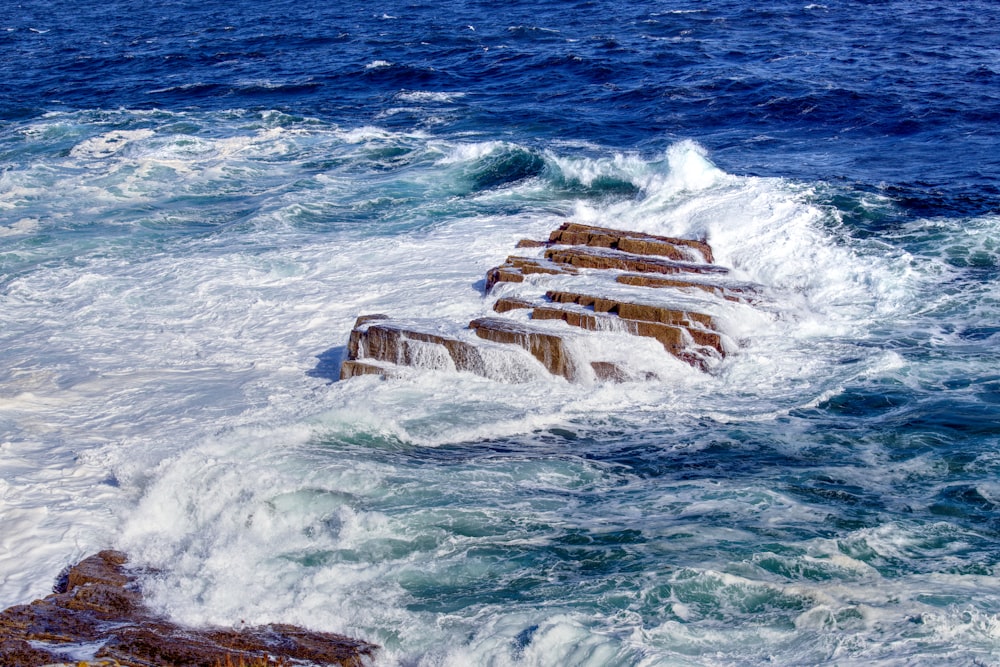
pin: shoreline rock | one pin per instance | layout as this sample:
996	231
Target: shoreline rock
638	270
98	610
639	243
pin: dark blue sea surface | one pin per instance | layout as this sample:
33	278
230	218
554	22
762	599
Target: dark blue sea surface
898	97
197	199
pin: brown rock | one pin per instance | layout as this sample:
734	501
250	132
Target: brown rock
506	304
576	318
729	293
17	652
677	340
105	600
98	603
353	368
150	645
364	319
571	233
604	258
515	268
353	340
295	643
384	340
377	343
634	311
548	348
104	569
606	371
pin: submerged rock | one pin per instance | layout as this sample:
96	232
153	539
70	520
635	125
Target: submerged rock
97	611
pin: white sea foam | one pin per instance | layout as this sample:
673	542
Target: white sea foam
22	226
428	96
108	144
471	152
167	397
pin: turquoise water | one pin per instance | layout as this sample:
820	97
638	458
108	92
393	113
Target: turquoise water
193	213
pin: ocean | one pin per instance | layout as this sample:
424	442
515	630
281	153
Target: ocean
197	199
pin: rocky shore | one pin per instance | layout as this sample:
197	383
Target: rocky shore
97	617
589	278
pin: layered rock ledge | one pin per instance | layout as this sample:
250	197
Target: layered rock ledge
97	616
572	233
617	282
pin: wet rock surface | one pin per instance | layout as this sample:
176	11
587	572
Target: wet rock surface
548	348
623	276
571	233
97	616
601	258
516	268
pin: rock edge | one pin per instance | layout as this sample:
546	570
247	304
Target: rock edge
97	602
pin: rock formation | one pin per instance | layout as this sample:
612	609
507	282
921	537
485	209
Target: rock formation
516	268
98	611
548	348
601	279
571	233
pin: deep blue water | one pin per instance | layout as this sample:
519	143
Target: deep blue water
899	97
197	198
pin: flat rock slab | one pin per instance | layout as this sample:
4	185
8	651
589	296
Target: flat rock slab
573	233
606	258
632	310
747	293
516	268
97	603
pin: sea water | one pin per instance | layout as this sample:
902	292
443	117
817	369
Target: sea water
198	199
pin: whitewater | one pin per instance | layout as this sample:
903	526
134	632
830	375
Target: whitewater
198	199
178	290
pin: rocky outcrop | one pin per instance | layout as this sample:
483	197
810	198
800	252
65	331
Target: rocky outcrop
632	266
634	311
729	292
546	347
571	233
516	268
604	258
97	610
355	367
405	345
681	342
